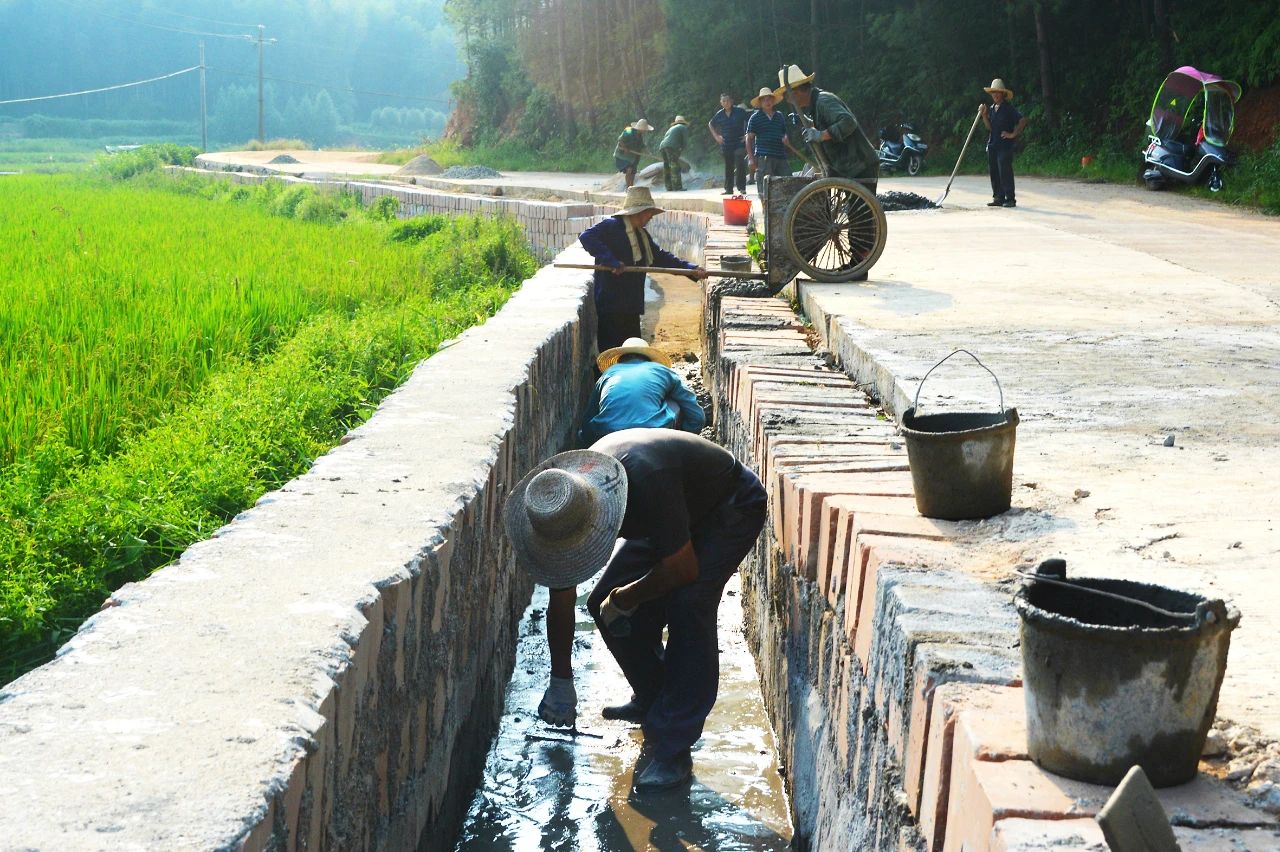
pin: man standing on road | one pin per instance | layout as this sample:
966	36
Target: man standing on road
629	149
767	141
729	126
621	240
1006	124
671	147
834	131
688	513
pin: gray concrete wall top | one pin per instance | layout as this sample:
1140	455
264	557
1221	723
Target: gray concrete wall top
177	713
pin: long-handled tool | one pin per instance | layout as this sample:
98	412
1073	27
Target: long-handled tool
662	270
959	159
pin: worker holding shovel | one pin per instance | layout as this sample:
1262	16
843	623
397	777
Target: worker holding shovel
688	513
622	241
630	148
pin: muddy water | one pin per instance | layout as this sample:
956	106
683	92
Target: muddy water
545	789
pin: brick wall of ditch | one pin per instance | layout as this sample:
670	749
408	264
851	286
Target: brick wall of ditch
325	671
889	666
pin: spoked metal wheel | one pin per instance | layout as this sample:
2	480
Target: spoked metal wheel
835	230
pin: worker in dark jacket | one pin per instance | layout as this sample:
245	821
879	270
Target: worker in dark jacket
688	513
621	240
835	131
1006	124
671	147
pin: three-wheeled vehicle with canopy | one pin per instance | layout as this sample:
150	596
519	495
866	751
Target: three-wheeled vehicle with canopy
1191	122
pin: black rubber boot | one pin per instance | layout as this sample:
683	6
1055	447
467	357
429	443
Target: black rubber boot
632	712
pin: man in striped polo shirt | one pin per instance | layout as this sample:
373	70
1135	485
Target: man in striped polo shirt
767	140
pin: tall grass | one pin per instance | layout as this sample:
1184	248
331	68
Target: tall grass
165	358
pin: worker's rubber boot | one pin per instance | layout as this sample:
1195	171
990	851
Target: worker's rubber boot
996	202
665	774
633	711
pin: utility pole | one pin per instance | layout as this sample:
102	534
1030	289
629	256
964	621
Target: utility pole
262	31
204	106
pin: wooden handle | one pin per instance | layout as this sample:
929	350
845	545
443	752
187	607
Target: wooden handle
662	270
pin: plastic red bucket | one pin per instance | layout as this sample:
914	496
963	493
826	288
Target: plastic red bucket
736	211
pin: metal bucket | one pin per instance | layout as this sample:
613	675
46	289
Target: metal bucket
1118	673
961	463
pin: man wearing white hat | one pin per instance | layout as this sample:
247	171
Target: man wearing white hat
688	513
835	130
1005	124
618	242
629	149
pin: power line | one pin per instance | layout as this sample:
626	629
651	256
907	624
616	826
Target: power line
103	89
136	22
335	88
202	20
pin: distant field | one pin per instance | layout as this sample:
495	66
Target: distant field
170	352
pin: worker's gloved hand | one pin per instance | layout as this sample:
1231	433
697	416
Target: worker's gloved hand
812	134
559	703
616	619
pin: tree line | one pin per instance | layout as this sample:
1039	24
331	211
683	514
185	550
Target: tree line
575	71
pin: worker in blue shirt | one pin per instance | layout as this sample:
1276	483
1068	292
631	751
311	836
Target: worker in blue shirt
638	389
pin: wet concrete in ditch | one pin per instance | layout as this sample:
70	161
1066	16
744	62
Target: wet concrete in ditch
545	789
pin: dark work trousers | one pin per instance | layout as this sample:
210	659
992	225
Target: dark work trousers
770	167
613	329
671	176
735	169
679	683
1000	163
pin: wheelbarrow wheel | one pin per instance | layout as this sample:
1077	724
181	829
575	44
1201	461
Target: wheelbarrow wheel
835	230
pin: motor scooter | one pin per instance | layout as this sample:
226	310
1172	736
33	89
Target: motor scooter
1191	122
902	148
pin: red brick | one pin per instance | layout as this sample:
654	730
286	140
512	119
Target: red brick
887	540
992	725
985	792
936	786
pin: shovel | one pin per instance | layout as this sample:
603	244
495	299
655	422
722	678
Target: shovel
959	159
662	270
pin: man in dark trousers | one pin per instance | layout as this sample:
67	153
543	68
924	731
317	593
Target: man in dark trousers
621	240
688	513
835	131
1006	124
729	128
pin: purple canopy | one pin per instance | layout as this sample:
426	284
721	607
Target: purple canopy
1203	78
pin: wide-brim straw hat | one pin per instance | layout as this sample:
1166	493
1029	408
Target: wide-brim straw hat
997	85
563	517
764	92
680	119
638	200
630	346
793	77
642	125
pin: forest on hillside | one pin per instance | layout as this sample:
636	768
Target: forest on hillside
337	71
553	75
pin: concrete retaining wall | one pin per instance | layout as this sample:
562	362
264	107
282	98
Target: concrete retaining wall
325	671
888	657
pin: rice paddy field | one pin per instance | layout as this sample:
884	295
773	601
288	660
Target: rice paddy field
170	351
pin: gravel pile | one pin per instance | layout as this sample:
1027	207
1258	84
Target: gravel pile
741	287
282	160
892	201
470	173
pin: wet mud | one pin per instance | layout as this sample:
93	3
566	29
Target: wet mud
547	788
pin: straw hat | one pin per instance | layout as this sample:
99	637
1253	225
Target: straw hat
630	346
793	76
563	517
680	119
766	92
642	125
997	85
638	200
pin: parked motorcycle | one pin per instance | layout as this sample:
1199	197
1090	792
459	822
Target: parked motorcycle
1190	125
902	148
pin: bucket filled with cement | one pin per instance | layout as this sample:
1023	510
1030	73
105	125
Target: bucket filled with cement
1118	673
961	462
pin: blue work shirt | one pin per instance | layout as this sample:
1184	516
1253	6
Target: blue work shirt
1003	119
637	393
731	126
769	133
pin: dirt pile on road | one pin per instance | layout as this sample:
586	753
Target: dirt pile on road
283	160
420	165
894	201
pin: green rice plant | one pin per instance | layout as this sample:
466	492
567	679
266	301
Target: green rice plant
164	360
